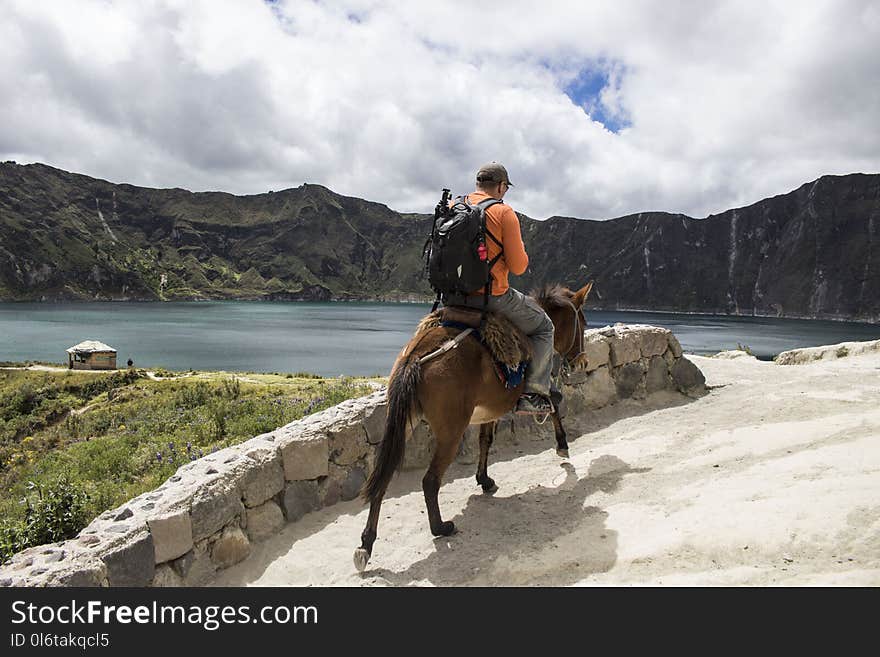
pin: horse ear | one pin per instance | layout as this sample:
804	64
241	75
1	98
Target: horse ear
581	295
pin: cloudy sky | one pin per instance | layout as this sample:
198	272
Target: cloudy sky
598	109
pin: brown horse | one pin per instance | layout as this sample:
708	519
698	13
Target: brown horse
458	388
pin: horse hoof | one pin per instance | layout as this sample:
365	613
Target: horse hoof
488	485
445	529
361	557
562	452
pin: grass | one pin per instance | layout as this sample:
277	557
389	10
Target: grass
73	444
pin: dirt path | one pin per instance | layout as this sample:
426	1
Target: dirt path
771	479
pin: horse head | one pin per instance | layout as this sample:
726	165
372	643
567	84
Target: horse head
565	309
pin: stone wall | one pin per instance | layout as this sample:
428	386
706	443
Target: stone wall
829	352
208	515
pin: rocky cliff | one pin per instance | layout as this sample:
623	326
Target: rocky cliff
814	252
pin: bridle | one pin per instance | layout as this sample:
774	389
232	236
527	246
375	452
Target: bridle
567	361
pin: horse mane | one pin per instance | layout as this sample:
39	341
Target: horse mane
552	296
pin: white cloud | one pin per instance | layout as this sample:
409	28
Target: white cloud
724	102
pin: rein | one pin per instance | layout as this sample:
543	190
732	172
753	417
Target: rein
568	361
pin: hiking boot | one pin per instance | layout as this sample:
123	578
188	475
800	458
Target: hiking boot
531	403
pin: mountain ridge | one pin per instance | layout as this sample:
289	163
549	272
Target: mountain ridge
812	252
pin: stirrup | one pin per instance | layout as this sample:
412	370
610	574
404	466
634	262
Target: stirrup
533	410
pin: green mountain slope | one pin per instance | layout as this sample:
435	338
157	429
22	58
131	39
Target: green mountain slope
67	236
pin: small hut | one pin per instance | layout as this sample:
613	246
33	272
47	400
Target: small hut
91	355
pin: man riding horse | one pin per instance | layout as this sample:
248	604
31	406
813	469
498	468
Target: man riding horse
450	380
522	311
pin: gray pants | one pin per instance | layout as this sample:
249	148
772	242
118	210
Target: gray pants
531	319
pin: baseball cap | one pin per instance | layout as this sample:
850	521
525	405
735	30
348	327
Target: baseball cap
493	172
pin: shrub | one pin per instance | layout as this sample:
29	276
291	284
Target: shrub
306	375
54	511
25	400
232	388
105	383
191	396
219	415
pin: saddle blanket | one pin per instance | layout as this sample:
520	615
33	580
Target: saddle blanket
509	346
510	376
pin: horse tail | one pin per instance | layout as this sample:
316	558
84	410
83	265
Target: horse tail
402	389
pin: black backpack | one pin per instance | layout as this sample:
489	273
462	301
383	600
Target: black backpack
456	257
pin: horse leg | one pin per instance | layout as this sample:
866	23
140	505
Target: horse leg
561	442
556	398
487	434
402	409
368	537
444	453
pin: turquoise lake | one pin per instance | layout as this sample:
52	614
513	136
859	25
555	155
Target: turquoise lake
359	339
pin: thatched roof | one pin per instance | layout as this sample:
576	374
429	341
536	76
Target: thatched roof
90	346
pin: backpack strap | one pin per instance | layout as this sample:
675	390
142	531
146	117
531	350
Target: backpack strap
484	205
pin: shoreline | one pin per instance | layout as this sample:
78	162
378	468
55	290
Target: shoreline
870	321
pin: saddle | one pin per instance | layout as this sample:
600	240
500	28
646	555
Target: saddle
507	344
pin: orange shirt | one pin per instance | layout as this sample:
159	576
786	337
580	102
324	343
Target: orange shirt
503	223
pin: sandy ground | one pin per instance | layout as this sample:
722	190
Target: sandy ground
773	478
